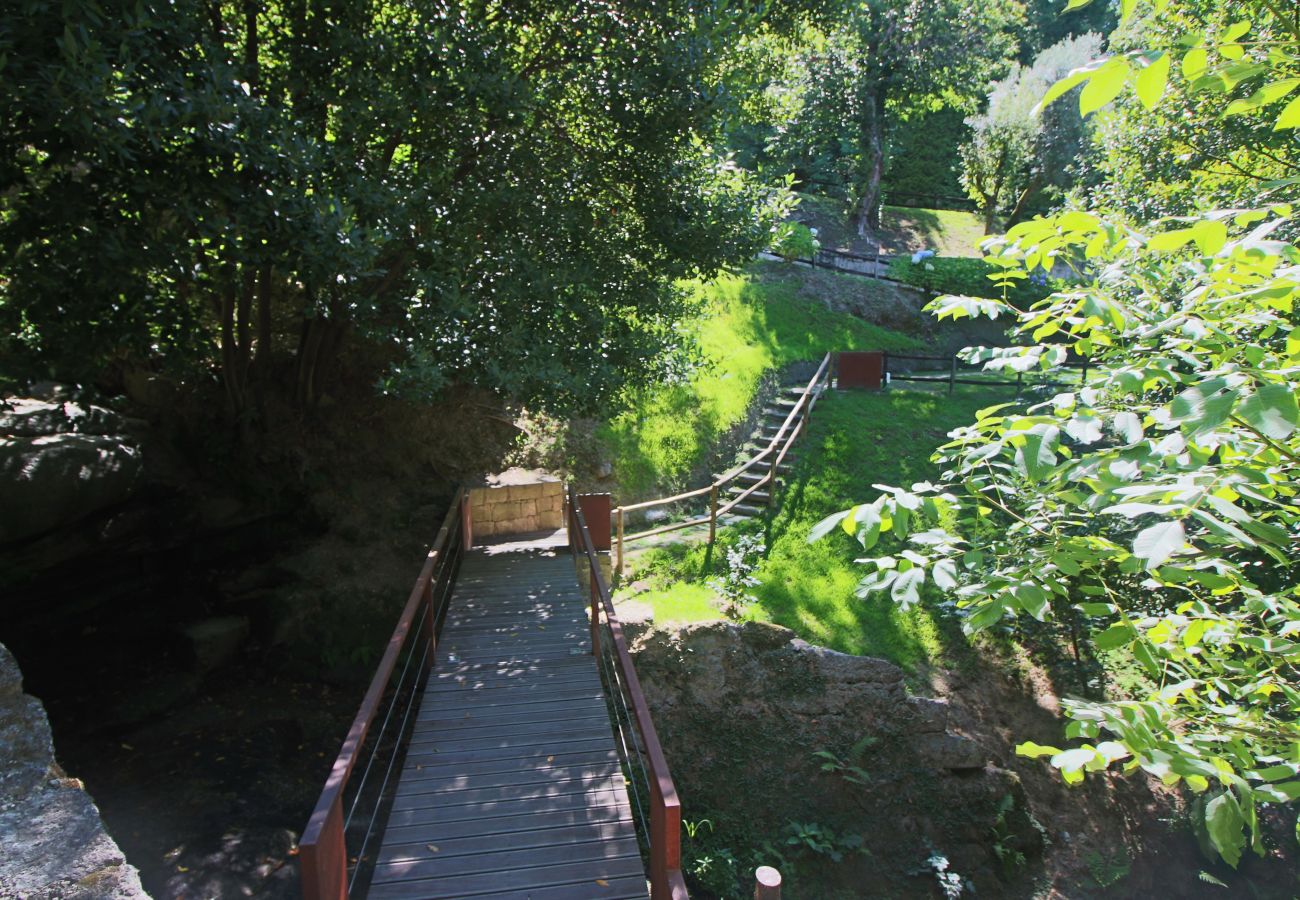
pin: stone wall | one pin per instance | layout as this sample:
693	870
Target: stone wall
517	502
56	847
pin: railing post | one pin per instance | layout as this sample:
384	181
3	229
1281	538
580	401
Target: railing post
618	513
430	620
767	883
952	376
665	847
466	522
595	610
324	862
713	512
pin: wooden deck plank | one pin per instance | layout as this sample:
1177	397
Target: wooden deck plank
582	876
511	770
492	830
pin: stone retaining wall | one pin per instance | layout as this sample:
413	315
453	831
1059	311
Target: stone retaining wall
517	508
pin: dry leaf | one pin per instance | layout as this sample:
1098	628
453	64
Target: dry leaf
602	882
432	847
550	759
182	869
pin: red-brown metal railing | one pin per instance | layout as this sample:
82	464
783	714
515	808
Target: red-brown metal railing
774	454
664	828
328	869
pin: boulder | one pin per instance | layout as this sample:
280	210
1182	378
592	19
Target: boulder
25	417
56	847
52	480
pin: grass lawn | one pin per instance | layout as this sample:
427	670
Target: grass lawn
904	230
855	440
749	324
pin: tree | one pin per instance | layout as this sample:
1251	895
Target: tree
1016	150
1153	510
884	59
249	186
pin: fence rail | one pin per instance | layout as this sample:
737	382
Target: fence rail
773	455
638	740
332	853
952	378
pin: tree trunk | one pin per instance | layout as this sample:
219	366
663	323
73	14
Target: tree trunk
1022	201
873	146
990	215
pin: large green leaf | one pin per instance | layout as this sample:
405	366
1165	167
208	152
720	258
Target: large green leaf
1271	410
1157	543
1152	80
1224	823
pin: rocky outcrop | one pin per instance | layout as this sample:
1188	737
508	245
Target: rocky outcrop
59	463
763	730
55	843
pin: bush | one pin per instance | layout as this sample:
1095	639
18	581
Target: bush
970	278
794	241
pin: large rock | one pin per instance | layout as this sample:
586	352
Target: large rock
59	463
764	729
55	844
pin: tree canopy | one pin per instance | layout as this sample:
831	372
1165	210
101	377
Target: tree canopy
497	193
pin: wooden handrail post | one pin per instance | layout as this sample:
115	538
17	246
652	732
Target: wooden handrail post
595	610
952	376
619	526
466	522
713	512
665	846
767	883
324	864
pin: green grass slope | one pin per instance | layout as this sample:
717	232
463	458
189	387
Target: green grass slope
855	440
749	324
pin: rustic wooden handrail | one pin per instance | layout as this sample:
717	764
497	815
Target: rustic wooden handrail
665	840
322	851
776	449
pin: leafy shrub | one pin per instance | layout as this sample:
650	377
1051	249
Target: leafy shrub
970	278
792	240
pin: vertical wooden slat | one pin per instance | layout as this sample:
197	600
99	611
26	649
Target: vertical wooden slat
466	522
713	512
619	520
324	863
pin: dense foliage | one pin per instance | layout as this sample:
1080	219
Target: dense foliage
970	277
225	185
1155	507
1017	152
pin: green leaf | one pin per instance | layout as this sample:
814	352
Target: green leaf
1195	62
1224	823
1210	236
1152	80
1271	411
1115	636
906	591
1290	117
1204	407
1064	86
1033	600
827	525
1159	542
1169	241
1104	86
1032	751
944	574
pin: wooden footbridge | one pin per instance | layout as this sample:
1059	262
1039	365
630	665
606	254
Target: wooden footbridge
524	764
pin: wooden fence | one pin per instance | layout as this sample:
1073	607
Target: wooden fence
954	365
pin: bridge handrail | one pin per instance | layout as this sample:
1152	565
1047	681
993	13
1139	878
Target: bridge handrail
777	447
666	881
322	851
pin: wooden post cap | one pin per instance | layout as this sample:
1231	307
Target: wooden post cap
767	883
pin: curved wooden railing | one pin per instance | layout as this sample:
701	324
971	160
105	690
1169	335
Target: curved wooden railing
773	454
640	747
332	853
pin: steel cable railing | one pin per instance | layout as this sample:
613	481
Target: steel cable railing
329	870
662	837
